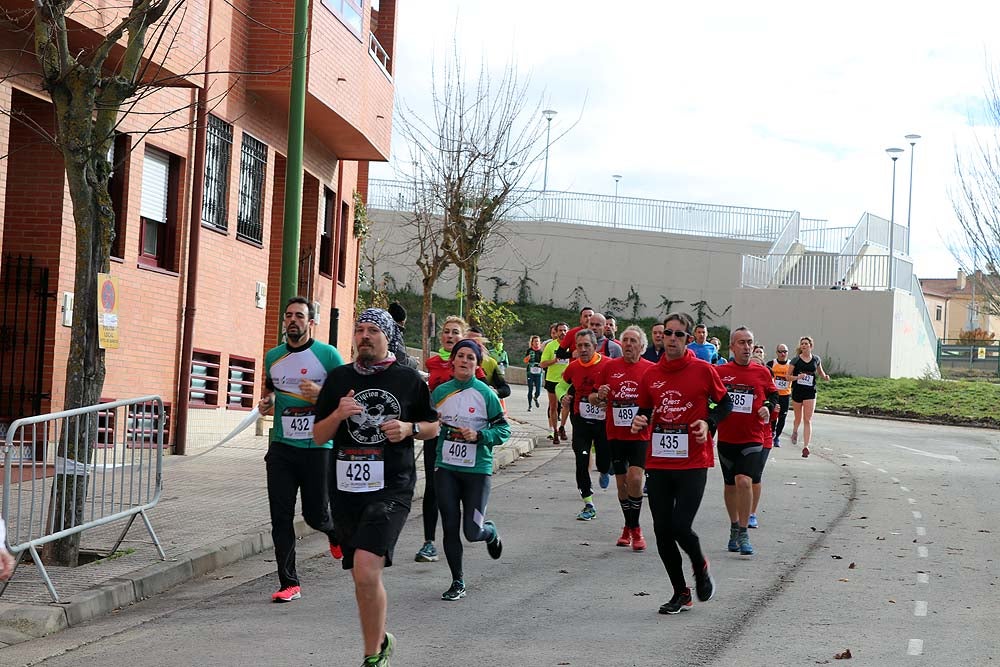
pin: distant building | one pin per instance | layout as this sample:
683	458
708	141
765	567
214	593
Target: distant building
248	44
952	308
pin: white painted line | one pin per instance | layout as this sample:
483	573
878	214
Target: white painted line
923	577
921	530
922	552
915	647
848	456
829	449
904	489
895	480
917	515
920	608
883	471
944	457
911	501
866	463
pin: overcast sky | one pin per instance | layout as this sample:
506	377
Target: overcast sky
785	105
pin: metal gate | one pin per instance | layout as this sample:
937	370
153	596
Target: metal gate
24	309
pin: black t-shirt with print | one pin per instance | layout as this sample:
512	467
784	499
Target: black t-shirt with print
362	455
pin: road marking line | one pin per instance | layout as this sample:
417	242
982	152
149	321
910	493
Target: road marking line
911	501
923	577
866	463
922	552
904	489
848	456
921	530
883	470
945	457
895	480
915	647
920	608
918	515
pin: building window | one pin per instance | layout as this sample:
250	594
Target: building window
144	424
218	153
938	312
253	166
118	156
158	210
349	13
342	249
241	378
106	426
204	378
326	238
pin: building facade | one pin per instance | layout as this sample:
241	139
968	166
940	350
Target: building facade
245	46
955	307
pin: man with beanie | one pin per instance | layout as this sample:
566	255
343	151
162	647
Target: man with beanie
396	345
376	407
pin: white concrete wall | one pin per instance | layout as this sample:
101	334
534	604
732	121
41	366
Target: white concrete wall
604	261
914	354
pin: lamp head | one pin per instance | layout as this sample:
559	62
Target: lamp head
549	114
893	153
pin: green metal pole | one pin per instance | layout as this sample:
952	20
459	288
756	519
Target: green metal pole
292	225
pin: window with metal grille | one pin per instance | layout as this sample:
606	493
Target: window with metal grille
218	153
241	377
938	313
106	426
143	423
253	166
204	378
326	238
342	250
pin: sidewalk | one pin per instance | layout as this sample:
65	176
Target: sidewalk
213	512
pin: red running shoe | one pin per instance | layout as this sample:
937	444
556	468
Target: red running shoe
336	551
638	541
287	594
626	539
805	452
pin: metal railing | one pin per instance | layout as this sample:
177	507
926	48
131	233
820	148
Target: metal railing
762	271
918	294
655	215
825	239
378	53
117	474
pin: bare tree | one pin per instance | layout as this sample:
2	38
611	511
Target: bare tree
974	200
480	141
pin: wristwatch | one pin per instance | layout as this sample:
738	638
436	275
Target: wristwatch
416	428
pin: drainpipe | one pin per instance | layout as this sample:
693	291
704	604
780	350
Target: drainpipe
194	244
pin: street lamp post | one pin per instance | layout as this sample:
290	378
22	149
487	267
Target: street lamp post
912	138
549	115
894	154
614	214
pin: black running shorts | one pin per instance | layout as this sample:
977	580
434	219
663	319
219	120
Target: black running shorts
744	459
627	453
372	526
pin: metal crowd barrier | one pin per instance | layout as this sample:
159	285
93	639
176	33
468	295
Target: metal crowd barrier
117	474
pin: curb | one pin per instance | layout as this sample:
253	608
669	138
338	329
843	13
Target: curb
23	622
910	420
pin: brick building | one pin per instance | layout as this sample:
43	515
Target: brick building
246	47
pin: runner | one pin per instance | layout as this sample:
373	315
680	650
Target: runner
655	349
605	345
473	423
611	329
618	391
439	371
567	342
682	400
297	464
582	375
700	345
765	453
742	436
376	407
805	367
554	367
535	372
495	376
780	370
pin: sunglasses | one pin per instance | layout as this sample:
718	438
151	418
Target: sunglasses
677	334
782	351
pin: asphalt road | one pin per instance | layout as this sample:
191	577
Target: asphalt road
910	506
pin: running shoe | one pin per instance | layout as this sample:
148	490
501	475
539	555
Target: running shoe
287	594
555	437
638	541
456	592
795	437
562	433
536	403
753	521
381	659
604	480
427	553
746	549
704	584
589	512
734	545
494	546
529	405
626	539
680	602
336	551
805	452
777	441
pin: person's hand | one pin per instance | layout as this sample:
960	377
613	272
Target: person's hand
639	422
764	413
266	405
603	391
6	563
397	431
467	434
566	401
309	390
347	407
699	430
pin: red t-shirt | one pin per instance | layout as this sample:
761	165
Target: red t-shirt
585	379
679	391
440	371
748	388
623	379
